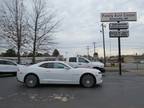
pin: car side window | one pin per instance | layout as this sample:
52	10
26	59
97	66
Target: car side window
9	63
72	59
47	65
2	62
60	66
82	60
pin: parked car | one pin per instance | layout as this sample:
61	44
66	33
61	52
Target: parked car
142	61
8	67
57	72
82	62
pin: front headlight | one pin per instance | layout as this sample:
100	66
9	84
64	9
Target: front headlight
102	66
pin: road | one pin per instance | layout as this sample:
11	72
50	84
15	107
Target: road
125	91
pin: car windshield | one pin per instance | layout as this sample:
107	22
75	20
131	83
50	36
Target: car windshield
83	60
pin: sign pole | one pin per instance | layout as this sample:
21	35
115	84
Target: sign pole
119	48
119	52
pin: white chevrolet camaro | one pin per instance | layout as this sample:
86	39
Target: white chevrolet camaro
57	72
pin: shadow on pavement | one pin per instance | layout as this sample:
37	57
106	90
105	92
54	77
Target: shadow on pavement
7	75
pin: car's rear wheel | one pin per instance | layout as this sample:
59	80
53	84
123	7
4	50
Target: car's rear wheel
31	81
88	81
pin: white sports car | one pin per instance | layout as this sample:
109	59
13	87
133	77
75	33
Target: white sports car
57	72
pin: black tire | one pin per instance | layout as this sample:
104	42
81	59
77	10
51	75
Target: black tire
88	81
31	81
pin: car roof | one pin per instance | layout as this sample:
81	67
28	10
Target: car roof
51	62
37	64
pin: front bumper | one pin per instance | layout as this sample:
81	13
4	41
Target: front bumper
100	69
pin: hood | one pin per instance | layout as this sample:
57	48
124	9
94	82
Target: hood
98	64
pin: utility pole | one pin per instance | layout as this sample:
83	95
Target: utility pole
103	26
94	43
95	55
88	51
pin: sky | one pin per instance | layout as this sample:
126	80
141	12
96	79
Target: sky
80	26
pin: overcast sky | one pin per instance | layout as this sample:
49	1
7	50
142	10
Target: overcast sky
81	26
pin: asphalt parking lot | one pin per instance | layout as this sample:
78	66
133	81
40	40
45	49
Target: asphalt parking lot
125	91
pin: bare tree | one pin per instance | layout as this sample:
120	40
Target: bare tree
43	24
13	24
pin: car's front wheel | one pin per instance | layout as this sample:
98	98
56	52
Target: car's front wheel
31	81
88	81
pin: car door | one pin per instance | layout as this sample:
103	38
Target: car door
58	73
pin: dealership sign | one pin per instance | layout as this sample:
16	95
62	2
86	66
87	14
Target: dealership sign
119	28
113	26
115	34
118	16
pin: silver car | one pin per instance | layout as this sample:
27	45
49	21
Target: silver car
8	67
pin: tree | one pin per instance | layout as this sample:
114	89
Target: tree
46	55
55	53
42	25
9	53
95	54
13	24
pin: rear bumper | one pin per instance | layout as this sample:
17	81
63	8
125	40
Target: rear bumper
99	79
19	80
20	77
